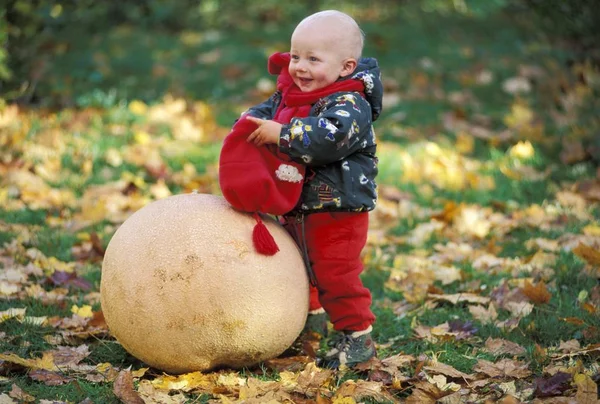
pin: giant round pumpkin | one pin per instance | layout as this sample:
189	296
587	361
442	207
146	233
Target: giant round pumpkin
183	288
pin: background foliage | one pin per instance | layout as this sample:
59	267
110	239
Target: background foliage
483	255
53	50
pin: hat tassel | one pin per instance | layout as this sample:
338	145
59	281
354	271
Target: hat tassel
264	243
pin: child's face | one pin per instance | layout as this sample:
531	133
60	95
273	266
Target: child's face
316	61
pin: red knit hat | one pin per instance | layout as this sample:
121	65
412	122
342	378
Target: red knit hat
258	179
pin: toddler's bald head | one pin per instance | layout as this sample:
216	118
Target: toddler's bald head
338	28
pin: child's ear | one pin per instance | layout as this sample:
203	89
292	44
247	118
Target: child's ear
348	67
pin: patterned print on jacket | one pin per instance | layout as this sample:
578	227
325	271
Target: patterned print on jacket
337	144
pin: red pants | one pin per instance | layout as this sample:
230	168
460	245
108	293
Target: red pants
334	242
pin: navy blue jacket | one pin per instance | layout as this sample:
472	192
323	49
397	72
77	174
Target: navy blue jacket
336	143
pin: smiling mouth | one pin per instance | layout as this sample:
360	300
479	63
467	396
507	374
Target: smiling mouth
304	80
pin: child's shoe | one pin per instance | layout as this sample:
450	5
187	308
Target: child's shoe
316	324
350	348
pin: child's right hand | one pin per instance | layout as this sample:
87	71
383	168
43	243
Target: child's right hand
267	132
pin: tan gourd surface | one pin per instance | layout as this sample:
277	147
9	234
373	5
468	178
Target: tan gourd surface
183	289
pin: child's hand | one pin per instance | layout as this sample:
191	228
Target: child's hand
266	133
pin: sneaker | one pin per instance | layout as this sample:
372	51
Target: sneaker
350	348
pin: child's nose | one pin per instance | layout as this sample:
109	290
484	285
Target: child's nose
301	65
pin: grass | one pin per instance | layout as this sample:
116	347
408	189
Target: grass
425	59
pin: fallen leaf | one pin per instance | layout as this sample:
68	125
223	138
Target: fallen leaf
442	383
151	395
569	346
13	312
572	151
499	346
46	362
552	386
6	399
516	85
19	394
503	368
123	388
589	254
361	389
290	364
447	370
424	393
483	315
49	378
84	311
460	298
538	294
587	389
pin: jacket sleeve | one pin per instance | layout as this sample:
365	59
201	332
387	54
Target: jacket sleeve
338	131
266	109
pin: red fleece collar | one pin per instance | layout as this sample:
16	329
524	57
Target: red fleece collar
292	95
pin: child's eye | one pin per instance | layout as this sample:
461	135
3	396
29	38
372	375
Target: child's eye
295	57
313	59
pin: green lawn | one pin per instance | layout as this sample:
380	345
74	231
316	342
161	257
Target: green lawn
484	249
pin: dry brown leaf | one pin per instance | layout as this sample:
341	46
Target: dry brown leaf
19	394
311	381
263	391
484	315
290	363
591	349
151	395
538	294
509	399
454	398
555	400
447	370
499	346
569	346
589	254
424	393
587	389
123	388
572	152
49	378
398	361
360	389
461	297
503	368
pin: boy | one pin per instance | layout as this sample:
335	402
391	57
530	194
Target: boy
321	117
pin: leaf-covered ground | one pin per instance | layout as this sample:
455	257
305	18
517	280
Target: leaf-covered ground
483	255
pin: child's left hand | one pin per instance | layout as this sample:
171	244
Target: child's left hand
267	132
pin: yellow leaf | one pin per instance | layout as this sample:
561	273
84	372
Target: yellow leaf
185	382
56	11
84	311
520	115
46	362
113	157
138	107
465	143
142	137
591	230
7	289
12	313
522	150
160	189
343	400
